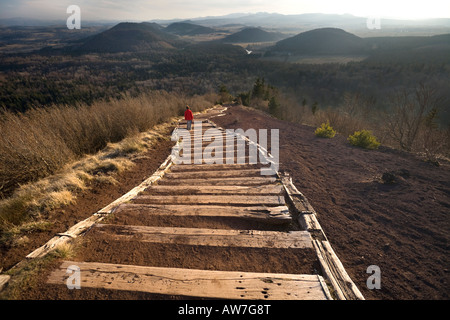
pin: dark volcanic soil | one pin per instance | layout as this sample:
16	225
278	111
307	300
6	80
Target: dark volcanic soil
404	228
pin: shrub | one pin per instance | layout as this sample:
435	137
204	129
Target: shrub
364	139
325	131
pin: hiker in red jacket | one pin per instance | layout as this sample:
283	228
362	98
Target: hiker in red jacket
188	116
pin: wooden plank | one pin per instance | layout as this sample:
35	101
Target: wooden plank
4	280
212	167
344	288
247	190
218	161
65	237
273	215
297	199
214	174
236	200
208	237
248	181
332	267
195	283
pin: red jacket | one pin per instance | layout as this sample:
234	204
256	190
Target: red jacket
188	115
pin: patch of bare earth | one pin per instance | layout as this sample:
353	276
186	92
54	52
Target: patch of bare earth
404	227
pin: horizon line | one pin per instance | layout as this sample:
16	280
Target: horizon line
226	16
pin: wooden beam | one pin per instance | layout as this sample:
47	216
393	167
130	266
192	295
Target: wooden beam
249	181
195	283
332	267
222	190
208	237
214	174
66	237
271	215
237	200
343	286
4	280
213	167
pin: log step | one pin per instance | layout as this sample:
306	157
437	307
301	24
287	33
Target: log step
248	181
212	167
215	161
236	200
213	174
195	283
208	237
271	215
191	190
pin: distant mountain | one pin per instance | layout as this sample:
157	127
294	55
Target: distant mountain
252	35
296	23
127	36
325	41
188	29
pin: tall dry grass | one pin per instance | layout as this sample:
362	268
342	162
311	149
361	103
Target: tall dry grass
41	141
37	145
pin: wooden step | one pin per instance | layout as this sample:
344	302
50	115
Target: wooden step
218	161
231	200
271	215
212	167
222	190
208	237
248	181
213	174
195	283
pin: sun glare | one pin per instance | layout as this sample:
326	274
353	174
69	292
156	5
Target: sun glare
381	8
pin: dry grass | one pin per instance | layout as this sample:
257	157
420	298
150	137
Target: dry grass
49	155
26	276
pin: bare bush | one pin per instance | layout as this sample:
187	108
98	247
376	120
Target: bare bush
405	120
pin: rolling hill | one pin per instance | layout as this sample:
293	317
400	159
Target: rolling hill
128	36
324	41
252	35
187	29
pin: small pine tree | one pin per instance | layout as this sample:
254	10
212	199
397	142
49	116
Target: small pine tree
244	98
224	94
274	106
364	139
259	88
325	131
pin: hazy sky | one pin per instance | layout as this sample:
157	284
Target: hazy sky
167	9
